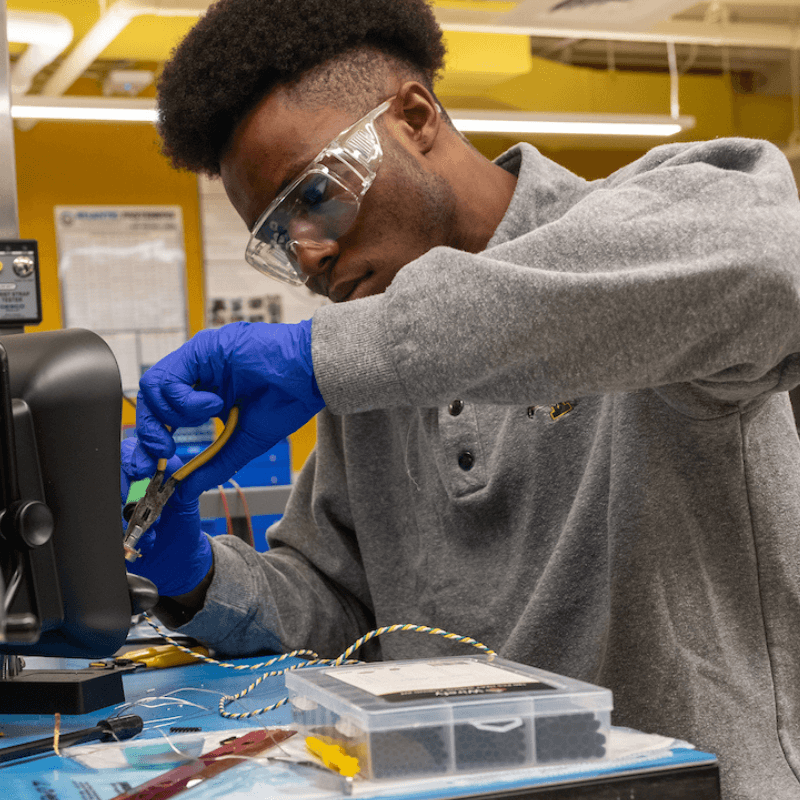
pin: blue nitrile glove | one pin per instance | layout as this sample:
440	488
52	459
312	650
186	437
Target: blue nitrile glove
176	554
265	368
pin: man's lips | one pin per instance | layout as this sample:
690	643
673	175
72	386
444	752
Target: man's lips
320	283
342	290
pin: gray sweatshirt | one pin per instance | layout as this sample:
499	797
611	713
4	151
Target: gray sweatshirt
575	447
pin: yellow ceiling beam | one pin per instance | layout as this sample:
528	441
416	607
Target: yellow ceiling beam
552	87
477	61
146	38
481	58
81	13
496	6
149	38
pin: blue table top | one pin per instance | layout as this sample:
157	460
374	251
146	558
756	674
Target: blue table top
189	696
176	696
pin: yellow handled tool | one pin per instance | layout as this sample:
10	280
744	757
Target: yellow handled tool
160	656
158	491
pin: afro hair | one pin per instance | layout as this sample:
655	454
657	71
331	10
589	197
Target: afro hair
241	49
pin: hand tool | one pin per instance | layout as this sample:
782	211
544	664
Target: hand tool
155	657
158	491
107	730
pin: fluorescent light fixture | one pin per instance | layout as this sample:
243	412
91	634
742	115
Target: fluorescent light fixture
109	109
91	109
520	122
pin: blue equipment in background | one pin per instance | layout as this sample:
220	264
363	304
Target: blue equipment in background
271	469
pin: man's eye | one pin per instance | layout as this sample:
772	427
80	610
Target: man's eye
314	190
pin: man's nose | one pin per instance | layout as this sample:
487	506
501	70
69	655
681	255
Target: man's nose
313	254
312	248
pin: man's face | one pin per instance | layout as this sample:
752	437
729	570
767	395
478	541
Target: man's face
406	211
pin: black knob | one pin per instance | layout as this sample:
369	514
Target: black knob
143	594
22	629
27	523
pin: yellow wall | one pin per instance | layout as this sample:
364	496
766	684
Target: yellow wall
114	164
521	82
62	163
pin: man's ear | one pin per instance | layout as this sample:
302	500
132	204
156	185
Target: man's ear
418	114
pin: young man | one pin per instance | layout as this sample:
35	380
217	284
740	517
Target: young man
556	413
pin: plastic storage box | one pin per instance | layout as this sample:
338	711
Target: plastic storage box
450	715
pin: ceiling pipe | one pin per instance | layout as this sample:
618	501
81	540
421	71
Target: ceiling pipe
732	34
111	23
47	36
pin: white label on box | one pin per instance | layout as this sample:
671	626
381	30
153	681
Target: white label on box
434	679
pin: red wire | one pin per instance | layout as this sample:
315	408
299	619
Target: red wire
228	520
247	516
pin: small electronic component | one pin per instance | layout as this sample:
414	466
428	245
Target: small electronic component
20	294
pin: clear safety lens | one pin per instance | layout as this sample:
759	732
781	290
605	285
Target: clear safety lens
321	205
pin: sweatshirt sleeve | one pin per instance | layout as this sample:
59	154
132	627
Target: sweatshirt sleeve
681	269
308	590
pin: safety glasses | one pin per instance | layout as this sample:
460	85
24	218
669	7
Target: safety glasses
321	205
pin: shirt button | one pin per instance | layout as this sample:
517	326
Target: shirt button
466	460
456	407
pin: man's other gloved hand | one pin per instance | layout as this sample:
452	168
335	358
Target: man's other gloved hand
176	554
265	368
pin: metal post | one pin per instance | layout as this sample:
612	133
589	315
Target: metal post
9	215
9	228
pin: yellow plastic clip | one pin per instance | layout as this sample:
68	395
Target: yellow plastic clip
163	655
333	757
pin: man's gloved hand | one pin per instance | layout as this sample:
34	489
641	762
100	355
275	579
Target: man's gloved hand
265	368
176	554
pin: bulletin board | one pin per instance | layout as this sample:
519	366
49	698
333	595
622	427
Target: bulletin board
122	273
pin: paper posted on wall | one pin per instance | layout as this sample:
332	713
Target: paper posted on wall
122	271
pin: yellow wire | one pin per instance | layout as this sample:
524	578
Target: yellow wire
211	450
314	660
